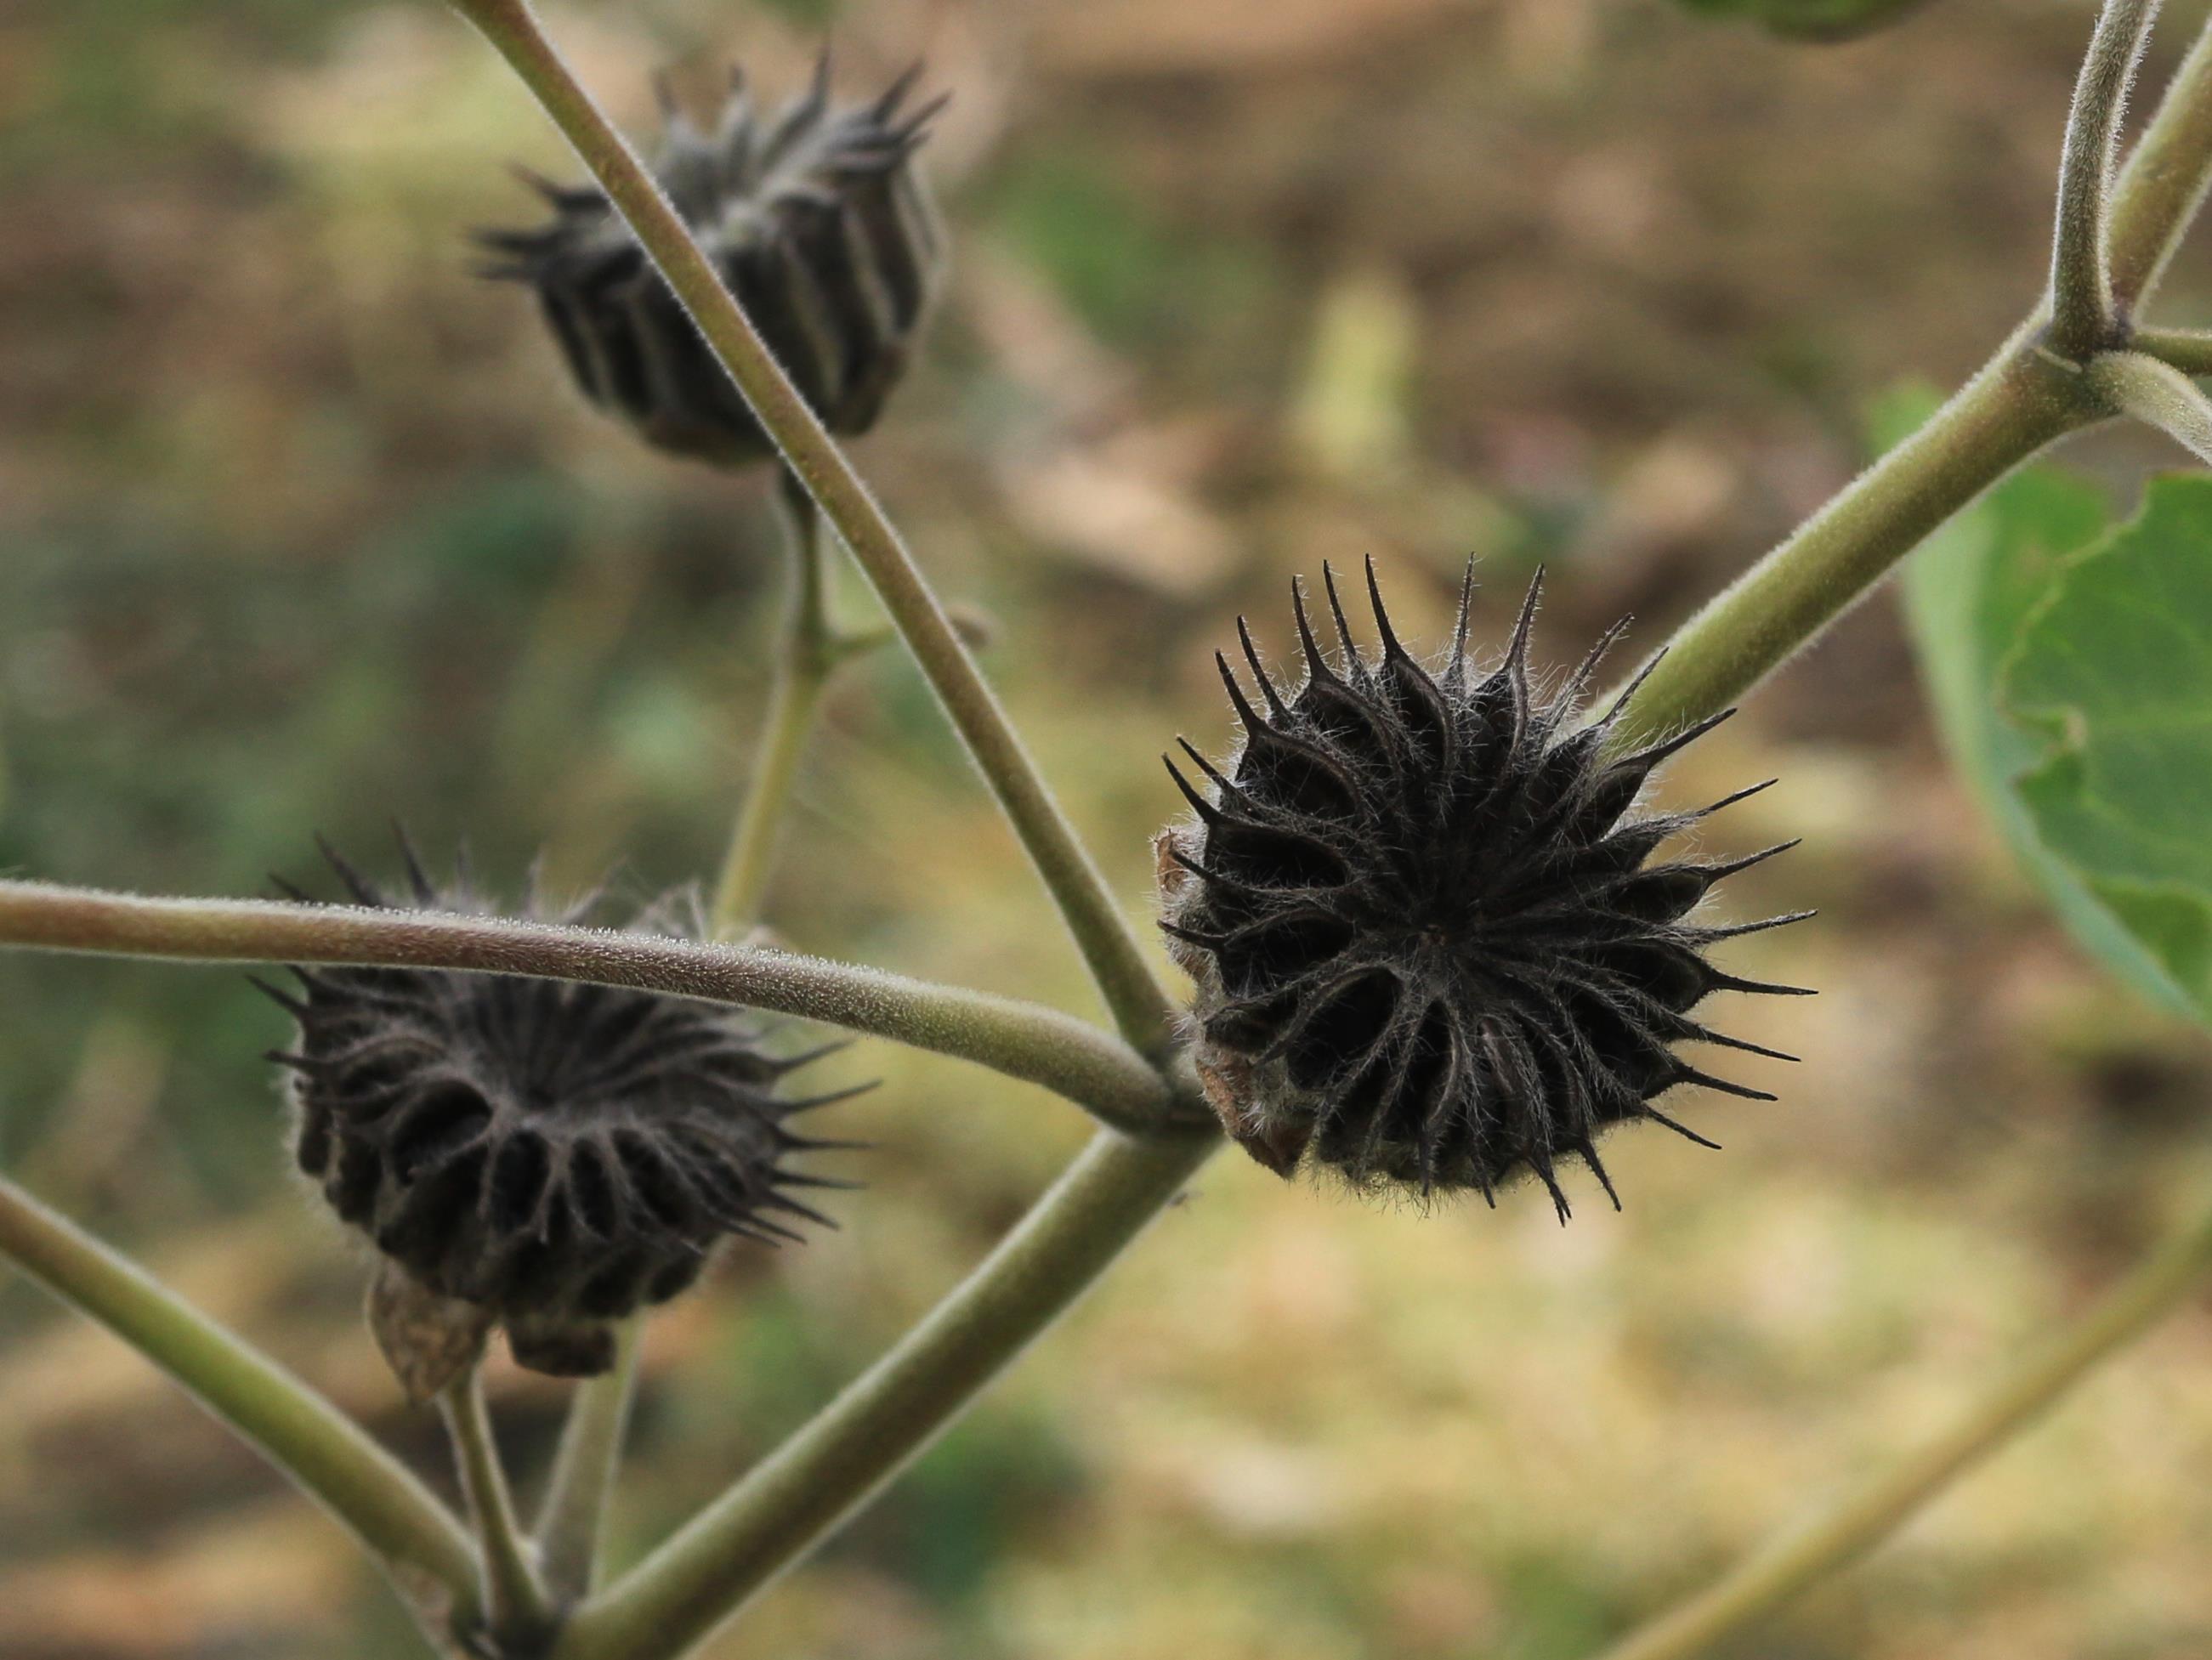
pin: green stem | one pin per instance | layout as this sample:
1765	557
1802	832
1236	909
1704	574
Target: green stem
519	1613
2164	183
673	1599
2019	403
2188	350
407	1532
807	655
1028	1041
572	1522
2157	394
2082	315
1117	958
1773	1577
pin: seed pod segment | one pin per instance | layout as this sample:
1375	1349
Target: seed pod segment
1430	947
817	220
556	1155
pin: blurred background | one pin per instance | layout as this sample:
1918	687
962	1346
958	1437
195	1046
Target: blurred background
301	528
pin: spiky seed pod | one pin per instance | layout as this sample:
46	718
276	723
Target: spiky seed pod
817	220
557	1155
1429	946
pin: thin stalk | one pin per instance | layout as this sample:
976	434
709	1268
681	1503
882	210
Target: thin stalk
2013	408
1118	960
2188	350
2082	315
672	1601
1863	1518
807	655
2164	183
571	1520
413	1537
809	651
517	1609
2157	394
1028	1041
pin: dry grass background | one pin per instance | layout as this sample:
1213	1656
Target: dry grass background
301	529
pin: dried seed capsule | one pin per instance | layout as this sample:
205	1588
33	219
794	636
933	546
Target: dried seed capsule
555	1156
1428	948
817	221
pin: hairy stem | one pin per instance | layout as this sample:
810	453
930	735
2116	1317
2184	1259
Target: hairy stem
1040	1045
673	1599
2157	394
2082	315
1863	1517
2017	404
1117	959
2164	183
807	655
407	1532
519	1613
572	1521
2188	350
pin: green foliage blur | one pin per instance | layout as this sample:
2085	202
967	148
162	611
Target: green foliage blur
302	530
1813	20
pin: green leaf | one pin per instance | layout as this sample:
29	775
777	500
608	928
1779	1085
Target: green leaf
1811	20
2112	681
1969	596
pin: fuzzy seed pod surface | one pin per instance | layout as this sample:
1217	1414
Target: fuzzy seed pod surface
1430	946
556	1155
816	220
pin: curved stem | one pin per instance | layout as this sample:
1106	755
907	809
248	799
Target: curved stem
519	1613
1863	1518
573	1518
807	655
1117	959
409	1534
680	1594
1040	1045
2157	394
2082	315
2019	403
2164	182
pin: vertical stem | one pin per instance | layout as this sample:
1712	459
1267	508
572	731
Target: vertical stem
673	1599
2081	308
1772	1577
407	1532
806	656
517	1609
2164	182
1117	959
572	1522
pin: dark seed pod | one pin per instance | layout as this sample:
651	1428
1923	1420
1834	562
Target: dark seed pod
556	1155
1430	949
818	223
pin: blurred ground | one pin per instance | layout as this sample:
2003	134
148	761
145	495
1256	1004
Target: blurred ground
302	529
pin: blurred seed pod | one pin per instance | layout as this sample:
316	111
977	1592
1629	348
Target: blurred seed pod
1430	949
817	220
541	1155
